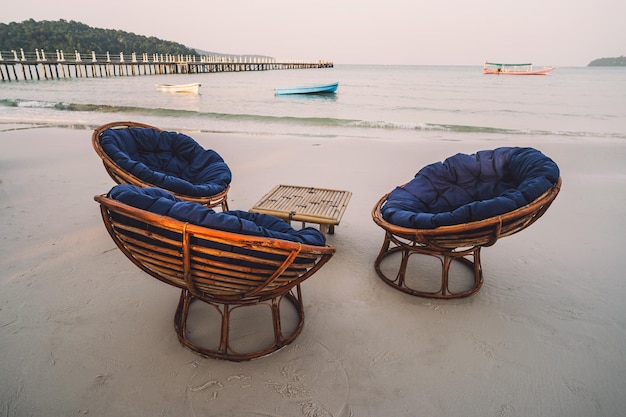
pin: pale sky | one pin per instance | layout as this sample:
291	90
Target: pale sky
411	32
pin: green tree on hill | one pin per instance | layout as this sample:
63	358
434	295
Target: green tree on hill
609	62
69	36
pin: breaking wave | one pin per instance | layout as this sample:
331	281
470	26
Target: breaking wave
317	122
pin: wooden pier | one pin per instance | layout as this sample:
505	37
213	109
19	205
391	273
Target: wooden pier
15	66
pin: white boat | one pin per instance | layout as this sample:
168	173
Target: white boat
308	89
179	88
514	69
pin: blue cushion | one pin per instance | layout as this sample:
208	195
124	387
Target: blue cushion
169	160
466	188
253	224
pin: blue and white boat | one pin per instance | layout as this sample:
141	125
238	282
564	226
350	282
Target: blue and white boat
308	89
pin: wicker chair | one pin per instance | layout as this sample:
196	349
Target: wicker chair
147	165
456	242
226	271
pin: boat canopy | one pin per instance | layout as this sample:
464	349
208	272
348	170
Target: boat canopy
506	65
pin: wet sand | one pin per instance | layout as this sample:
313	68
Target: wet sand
85	332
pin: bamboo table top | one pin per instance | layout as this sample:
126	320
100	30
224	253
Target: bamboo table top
322	206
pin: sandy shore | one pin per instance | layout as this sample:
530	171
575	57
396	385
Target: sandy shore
85	332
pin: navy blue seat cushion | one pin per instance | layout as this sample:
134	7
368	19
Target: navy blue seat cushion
169	160
161	202
466	188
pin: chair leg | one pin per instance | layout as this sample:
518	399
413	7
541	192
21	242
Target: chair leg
473	264
224	349
383	251
182	311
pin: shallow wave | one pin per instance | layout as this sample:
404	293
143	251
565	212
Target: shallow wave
318	122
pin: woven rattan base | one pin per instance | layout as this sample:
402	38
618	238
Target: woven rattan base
405	249
224	349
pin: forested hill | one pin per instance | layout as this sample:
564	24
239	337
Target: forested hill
70	36
609	62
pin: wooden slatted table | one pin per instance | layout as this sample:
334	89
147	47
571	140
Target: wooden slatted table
306	204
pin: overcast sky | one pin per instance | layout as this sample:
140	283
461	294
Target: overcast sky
435	32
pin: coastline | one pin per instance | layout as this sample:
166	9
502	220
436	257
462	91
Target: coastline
83	331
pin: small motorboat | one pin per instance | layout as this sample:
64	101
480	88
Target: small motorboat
514	69
308	89
179	88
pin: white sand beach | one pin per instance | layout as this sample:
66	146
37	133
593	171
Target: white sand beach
84	332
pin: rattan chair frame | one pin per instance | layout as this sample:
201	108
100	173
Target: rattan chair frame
121	176
223	279
462	242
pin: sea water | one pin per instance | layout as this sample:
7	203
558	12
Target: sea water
372	102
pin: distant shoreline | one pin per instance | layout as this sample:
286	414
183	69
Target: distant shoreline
608	62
